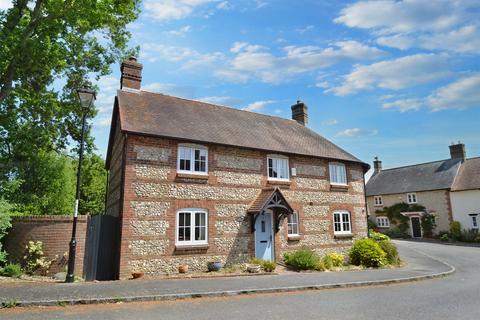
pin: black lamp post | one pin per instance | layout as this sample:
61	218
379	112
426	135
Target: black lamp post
86	96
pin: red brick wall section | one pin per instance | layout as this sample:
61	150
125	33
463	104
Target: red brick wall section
55	232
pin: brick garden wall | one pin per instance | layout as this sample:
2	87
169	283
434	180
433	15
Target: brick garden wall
154	191
55	233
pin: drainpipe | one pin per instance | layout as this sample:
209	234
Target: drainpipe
366	205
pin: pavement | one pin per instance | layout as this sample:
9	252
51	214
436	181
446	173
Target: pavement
420	266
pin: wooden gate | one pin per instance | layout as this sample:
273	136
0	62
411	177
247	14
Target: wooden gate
101	249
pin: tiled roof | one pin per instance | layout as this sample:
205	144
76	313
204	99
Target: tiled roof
468	177
421	177
171	117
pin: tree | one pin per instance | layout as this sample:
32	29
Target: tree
93	184
48	48
47	185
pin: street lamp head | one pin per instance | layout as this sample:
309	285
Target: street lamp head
86	95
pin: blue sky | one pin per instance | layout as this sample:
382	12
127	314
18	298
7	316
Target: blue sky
394	79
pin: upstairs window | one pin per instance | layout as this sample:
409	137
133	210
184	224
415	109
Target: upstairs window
192	227
411	198
383	222
378	200
338	173
341	222
293	224
192	159
278	168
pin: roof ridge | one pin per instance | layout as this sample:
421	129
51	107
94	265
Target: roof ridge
222	106
414	165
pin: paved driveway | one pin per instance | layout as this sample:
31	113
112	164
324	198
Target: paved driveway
454	297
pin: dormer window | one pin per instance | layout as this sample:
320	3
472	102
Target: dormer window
192	159
278	168
338	173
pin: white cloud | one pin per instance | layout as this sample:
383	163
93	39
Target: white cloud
330	122
189	57
256	61
463	40
5	4
356	132
404	16
461	94
260	4
258	105
404	105
107	90
397	41
102	122
394	74
220	100
170	89
224	5
164	10
306	29
179	32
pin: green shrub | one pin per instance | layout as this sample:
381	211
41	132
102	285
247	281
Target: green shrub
428	224
368	253
11	270
267	266
396	233
390	250
5	212
456	230
377	236
34	260
320	266
469	235
372	225
333	259
444	237
303	259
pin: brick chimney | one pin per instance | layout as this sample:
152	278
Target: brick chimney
377	166
457	151
131	74
300	112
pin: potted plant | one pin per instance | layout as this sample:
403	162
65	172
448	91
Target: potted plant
214	266
254	268
183	268
136	275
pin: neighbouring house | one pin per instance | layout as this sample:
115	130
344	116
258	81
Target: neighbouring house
192	182
448	189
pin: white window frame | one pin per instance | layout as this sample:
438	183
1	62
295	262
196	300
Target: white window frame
383	222
193	148
292	220
342	214
378	201
192	240
278	158
412	198
332	165
474	218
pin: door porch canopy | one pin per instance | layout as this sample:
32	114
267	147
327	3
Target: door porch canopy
270	199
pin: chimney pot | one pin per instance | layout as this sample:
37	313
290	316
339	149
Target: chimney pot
300	113
457	151
377	166
131	72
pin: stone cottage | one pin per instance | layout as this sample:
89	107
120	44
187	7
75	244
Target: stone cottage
448	189
192	182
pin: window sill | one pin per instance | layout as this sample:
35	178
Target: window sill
191	247
293	237
279	182
343	236
190	177
339	187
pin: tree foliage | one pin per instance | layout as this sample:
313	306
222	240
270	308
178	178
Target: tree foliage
94	180
48	49
394	213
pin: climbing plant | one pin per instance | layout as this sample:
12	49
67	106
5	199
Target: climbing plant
394	213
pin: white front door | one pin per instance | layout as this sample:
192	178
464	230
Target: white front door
264	236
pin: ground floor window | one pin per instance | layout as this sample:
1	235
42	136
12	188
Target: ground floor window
192	226
383	222
341	222
474	221
293	224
